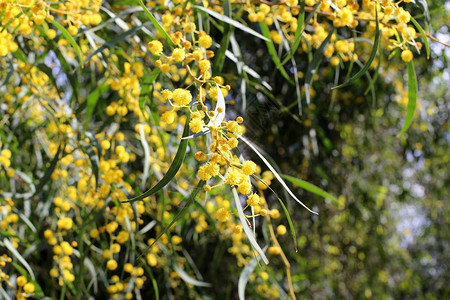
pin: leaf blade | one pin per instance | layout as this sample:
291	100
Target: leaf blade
373	53
310	187
174	167
412	97
230	21
69	38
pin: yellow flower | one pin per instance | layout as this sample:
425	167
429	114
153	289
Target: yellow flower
178	54
204	65
155	47
182	97
407	55
245	187
274	250
196	125
169	117
111	264
222	215
29	288
281	229
253	199
248	167
205	41
21	280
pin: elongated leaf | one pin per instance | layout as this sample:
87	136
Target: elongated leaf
298	32
412	97
219	116
245	276
92	100
220	53
174	167
188	279
232	22
146	84
114	41
423	35
37	288
69	38
286	212
366	67
314	65
48	173
93	157
277	176
156	24
181	213
246	228
310	187
273	52
19	257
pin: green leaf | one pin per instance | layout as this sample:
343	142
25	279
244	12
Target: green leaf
187	278
245	276
310	187
147	82
412	97
286	212
246	228
366	67
174	167
298	32
275	173
93	157
19	257
156	24
314	65
114	41
220	53
92	100
232	22
69	38
48	173
37	288
423	35
273	52
181	213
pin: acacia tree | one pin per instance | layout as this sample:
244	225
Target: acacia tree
127	133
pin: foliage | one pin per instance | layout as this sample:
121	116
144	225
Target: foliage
127	133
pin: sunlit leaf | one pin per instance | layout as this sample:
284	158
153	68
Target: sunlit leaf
174	167
412	97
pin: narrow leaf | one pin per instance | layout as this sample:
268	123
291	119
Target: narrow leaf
188	279
246	228
298	32
314	65
19	257
412	97
232	22
189	201
245	276
174	167
114	41
156	24
286	212
92	100
220	53
366	67
48	173
277	176
69	38
310	187
273	52
423	35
